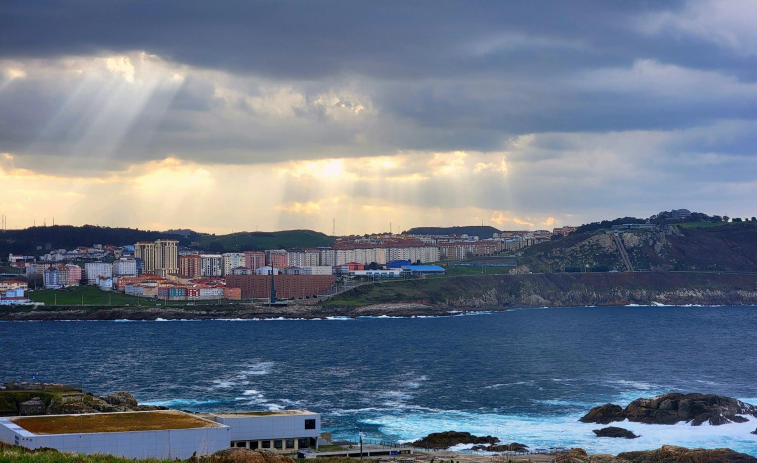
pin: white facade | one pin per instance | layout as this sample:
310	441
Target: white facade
93	270
387	273
266	270
232	260
165	444
284	431
212	265
424	254
317	270
211	293
125	267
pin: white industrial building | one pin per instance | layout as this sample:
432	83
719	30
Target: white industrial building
176	435
284	431
164	434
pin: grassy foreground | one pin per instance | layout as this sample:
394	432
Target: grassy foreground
14	454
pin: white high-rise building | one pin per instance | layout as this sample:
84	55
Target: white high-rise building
212	265
125	267
232	260
94	270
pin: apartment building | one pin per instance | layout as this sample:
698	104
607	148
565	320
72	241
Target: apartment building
232	260
254	259
190	266
211	265
95	270
287	286
125	267
277	258
160	257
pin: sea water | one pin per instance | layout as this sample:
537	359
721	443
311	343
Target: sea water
524	375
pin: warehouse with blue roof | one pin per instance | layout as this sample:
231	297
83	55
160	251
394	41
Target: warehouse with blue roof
417	270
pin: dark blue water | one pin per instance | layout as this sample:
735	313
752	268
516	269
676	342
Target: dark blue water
523	375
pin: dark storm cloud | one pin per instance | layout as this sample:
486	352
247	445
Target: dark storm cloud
392	40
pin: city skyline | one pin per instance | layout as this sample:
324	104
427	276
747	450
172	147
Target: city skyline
288	115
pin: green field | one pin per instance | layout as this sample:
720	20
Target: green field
247	241
73	296
453	271
94	296
703	224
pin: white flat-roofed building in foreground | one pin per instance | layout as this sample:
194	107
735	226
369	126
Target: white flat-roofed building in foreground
163	434
285	431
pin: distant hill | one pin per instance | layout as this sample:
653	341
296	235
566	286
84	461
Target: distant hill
482	232
251	241
690	246
27	240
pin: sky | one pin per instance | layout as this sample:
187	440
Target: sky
231	116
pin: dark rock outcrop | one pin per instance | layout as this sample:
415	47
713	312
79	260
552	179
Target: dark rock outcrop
754	432
614	431
513	447
122	399
444	440
665	454
604	414
673	408
680	454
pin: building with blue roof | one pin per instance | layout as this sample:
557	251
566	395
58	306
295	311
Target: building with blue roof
414	270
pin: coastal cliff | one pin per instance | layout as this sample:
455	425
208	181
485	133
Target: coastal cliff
560	290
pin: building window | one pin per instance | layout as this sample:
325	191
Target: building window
290	443
303	443
309	424
277	444
266	444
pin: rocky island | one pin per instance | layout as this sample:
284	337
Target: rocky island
674	408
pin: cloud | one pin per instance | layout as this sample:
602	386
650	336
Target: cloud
499	111
309	207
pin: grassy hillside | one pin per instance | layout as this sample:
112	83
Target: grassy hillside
698	246
250	241
66	236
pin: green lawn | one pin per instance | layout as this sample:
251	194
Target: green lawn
703	224
460	271
73	296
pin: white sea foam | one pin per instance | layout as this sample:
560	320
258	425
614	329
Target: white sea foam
517	383
178	403
567	431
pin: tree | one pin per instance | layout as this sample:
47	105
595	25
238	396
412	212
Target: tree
754	219
736	219
726	218
215	246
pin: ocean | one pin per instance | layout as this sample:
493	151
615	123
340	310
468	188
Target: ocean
522	375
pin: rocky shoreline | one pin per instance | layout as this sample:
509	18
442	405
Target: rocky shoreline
451	296
241	312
